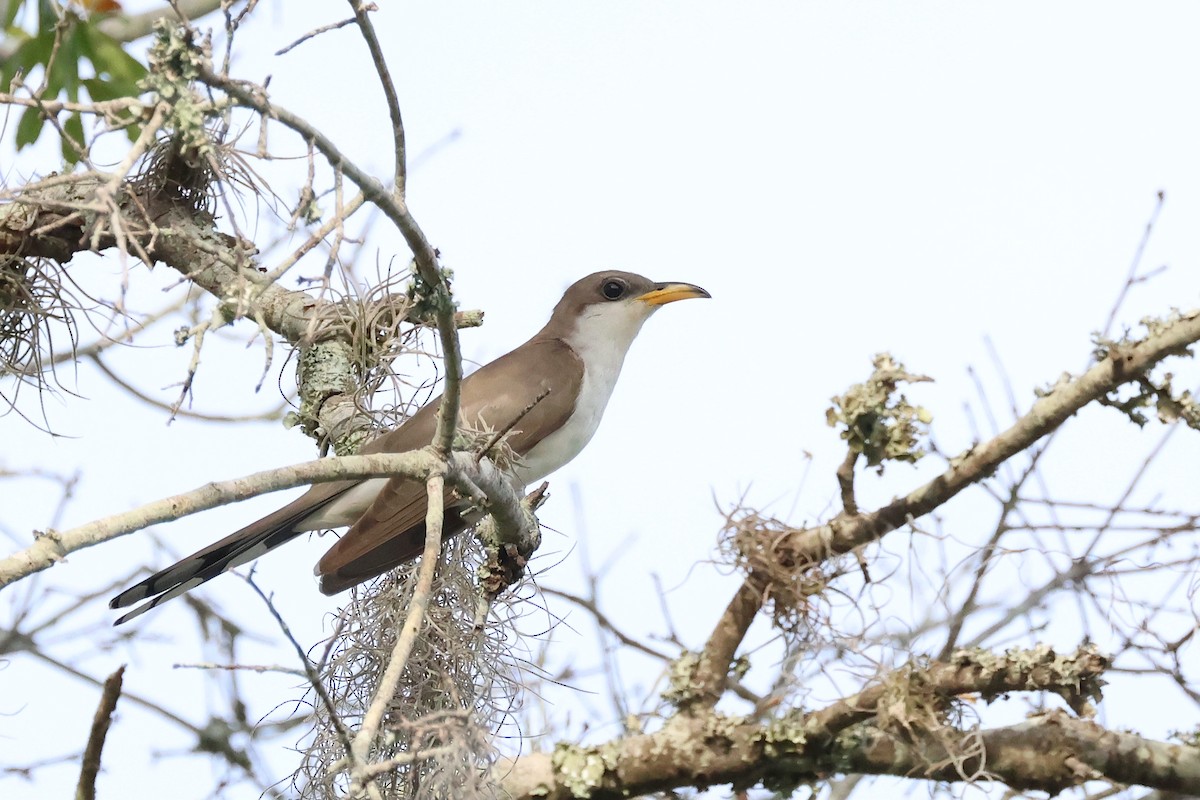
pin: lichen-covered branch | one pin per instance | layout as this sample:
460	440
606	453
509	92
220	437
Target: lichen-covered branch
1123	364
153	224
1076	677
1049	753
395	207
898	726
58	218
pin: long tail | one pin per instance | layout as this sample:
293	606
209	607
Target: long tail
202	566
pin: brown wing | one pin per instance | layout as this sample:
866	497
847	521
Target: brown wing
392	530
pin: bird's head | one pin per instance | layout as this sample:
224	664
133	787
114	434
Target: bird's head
611	306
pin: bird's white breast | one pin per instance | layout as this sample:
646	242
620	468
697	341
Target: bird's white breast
601	339
565	443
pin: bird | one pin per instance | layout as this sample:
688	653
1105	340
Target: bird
572	364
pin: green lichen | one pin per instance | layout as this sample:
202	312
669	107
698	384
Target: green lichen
1190	738
976	657
1076	677
176	60
720	728
582	770
683	685
427	300
878	422
309	209
1136	398
325	373
783	736
1145	392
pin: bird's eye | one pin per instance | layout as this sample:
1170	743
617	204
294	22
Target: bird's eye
613	289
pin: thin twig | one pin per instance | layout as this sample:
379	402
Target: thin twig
272	414
604	622
1134	265
259	668
373	718
500	434
86	788
987	553
845	479
310	671
333	26
362	16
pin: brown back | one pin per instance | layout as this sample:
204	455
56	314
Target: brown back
392	530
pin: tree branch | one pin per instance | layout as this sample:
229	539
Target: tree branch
1048	753
707	749
57	218
361	16
86	788
502	501
395	207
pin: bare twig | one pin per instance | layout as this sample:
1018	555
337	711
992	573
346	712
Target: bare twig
435	487
310	670
1135	265
86	788
500	434
333	26
362	17
272	414
845	478
259	668
607	624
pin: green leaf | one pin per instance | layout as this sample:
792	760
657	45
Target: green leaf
99	89
29	128
10	12
47	16
109	57
28	55
74	129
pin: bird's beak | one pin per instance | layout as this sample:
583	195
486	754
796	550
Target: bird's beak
664	293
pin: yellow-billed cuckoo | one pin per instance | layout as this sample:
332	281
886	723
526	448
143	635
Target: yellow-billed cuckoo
577	356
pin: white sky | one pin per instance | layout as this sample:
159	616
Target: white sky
843	178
